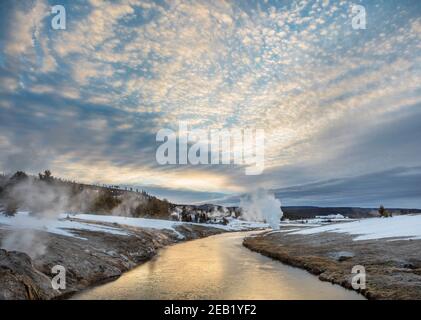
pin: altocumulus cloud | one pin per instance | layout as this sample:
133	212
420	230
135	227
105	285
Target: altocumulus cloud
335	102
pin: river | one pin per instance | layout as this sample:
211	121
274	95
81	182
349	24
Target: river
217	267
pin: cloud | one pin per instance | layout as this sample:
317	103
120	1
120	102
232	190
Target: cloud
24	27
99	91
393	188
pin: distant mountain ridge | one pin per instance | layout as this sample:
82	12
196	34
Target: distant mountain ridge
304	212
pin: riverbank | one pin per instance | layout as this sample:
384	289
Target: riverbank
215	268
392	264
92	252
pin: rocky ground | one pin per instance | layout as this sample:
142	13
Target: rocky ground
393	268
99	258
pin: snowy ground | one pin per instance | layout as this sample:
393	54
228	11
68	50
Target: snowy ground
315	222
63	226
23	220
234	224
405	226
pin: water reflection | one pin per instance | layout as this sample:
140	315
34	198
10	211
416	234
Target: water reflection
217	267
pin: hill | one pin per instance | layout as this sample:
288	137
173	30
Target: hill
45	194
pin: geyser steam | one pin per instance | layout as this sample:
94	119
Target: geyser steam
45	202
262	206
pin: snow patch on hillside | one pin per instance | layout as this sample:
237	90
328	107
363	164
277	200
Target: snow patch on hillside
23	220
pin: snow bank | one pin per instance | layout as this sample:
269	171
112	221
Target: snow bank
331	217
406	226
132	222
238	225
233	225
23	220
301	223
64	226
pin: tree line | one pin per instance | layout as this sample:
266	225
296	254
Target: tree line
80	197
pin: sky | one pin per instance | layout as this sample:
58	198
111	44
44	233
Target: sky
340	107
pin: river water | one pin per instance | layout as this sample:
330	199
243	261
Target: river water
217	267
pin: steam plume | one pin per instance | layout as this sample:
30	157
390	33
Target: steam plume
262	206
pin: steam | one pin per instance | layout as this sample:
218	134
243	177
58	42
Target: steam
45	202
27	240
81	201
128	205
261	206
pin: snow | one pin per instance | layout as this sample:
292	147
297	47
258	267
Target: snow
300	224
405	226
63	226
331	216
132	222
239	225
23	220
317	221
233	225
